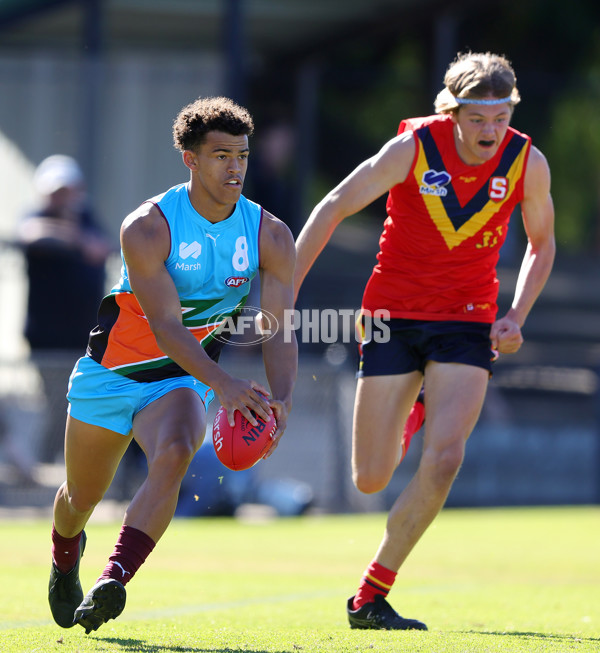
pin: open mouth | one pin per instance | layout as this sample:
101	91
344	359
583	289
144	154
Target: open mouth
486	143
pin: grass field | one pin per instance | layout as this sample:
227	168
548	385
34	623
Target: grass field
483	580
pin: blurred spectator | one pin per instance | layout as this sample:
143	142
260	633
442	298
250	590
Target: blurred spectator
65	252
16	454
273	174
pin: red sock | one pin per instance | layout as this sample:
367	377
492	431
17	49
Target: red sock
376	580
131	550
65	550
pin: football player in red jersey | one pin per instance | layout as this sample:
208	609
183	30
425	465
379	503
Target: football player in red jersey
453	180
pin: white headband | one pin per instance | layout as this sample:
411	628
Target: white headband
466	100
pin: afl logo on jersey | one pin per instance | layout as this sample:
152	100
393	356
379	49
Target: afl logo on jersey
236	282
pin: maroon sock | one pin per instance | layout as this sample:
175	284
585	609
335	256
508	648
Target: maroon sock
376	580
131	550
65	550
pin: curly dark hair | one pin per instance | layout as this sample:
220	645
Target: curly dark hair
195	120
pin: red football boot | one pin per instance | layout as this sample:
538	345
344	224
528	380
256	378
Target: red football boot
414	422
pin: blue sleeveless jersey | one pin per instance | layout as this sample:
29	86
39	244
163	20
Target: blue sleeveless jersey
211	265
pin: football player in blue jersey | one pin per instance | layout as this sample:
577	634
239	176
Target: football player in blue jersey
151	366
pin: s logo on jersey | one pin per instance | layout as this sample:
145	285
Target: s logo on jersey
498	188
433	182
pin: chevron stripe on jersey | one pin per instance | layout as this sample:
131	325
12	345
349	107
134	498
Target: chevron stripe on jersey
124	343
454	221
445	226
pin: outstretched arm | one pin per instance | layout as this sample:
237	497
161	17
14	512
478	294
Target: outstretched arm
538	219
370	180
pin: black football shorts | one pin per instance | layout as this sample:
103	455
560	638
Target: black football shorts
399	346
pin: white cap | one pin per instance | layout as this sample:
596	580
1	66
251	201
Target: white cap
57	171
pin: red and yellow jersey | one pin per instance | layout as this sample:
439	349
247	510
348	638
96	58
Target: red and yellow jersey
445	226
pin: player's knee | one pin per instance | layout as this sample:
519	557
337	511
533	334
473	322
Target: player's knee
83	501
444	461
370	480
174	457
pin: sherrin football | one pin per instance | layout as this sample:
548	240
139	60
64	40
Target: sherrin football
243	445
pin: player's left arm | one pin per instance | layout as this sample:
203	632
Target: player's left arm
280	351
538	219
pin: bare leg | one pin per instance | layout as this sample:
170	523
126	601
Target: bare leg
169	431
454	397
92	455
381	409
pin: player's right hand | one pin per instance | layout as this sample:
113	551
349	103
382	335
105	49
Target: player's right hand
247	396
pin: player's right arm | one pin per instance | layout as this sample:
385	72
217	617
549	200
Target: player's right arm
145	241
370	180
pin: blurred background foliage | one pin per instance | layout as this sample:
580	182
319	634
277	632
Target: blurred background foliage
371	79
334	85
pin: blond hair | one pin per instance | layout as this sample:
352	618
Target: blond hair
474	76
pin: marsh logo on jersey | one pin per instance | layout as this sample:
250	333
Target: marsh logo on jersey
185	251
433	183
190	249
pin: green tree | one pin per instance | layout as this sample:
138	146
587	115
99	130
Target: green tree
573	150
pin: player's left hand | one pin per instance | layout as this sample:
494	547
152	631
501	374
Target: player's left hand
505	336
281	414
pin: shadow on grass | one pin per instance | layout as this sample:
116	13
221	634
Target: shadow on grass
548	637
141	646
